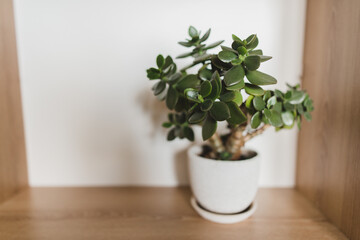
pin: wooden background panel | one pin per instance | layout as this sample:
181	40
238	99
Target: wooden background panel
13	172
328	168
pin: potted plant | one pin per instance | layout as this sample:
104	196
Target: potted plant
225	86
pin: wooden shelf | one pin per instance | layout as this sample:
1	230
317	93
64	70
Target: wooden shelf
152	213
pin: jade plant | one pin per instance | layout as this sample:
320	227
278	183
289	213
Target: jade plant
224	86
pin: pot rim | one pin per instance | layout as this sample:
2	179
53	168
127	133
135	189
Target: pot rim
196	149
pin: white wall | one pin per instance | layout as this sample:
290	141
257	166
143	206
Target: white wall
90	117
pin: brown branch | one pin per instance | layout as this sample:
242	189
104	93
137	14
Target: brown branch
256	132
235	142
216	143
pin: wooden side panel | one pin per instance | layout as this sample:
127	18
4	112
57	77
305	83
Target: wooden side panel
328	168
13	171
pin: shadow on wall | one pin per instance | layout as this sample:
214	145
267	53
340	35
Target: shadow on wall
181	167
157	111
154	109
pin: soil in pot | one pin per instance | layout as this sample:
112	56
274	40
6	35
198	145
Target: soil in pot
207	150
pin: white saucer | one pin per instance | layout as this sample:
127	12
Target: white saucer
223	218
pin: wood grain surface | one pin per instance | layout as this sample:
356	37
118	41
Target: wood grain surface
153	213
328	168
13	172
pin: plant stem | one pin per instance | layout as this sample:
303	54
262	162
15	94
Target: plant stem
216	143
235	142
257	132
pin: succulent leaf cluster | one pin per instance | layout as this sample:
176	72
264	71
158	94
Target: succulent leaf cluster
215	92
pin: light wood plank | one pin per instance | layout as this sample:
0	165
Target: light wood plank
328	168
153	213
13	172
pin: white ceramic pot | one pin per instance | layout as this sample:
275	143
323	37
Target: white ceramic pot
225	187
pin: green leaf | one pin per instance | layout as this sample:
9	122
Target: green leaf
193	95
308	103
193	32
220	111
278	94
238	98
216	86
297	86
184	55
227	97
248	102
288	95
234	75
264	58
242	50
206	105
259	103
168	62
297	97
264	119
170	70
236	44
300	108
220	64
236	38
205	88
267	113
192	108
188	133
186	44
256	52
267	95
260	78
213	45
189	81
228	49
171	117
307	116
205	74
214	90
227	56
206	35
254	90
252	62
167	124
277	106
236	115
255	120
298	121
275	118
173	78
172	98
252	41
171	135
236	61
153	73
162	95
197	117
180	118
271	101
209	128
237	86
160	61
288	106
159	87
202	58
225	155
288	118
